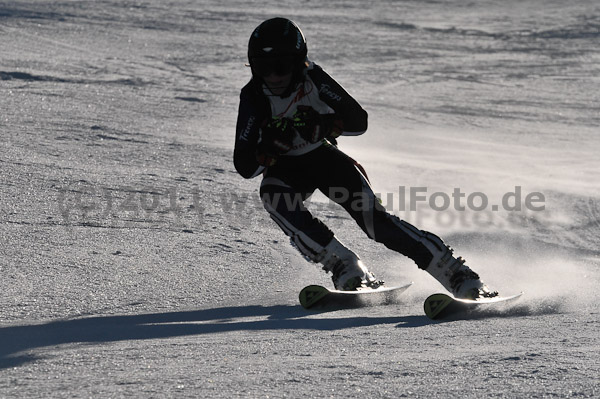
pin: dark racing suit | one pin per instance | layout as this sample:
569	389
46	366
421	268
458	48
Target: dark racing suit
307	167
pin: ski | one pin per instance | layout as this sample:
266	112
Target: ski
439	306
317	296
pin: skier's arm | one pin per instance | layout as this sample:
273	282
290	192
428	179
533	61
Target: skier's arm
346	108
250	118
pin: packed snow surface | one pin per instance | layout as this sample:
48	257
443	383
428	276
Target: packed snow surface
136	262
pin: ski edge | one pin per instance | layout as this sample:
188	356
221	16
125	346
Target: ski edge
362	291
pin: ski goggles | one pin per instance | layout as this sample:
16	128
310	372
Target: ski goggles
280	66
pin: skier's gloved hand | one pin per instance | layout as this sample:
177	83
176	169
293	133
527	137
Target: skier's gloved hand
275	139
313	126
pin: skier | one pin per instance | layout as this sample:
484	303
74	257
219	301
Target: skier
290	114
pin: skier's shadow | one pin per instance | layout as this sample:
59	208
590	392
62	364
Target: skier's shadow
23	338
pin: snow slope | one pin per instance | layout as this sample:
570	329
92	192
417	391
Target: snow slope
136	262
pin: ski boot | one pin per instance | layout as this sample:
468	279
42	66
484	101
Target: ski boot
348	271
452	272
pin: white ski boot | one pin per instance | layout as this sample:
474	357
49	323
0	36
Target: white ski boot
348	271
452	272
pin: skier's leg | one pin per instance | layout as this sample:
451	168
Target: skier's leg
347	186
312	238
286	207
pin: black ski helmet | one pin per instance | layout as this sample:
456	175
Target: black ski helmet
278	46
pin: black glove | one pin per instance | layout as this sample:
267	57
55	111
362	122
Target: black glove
276	139
313	126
